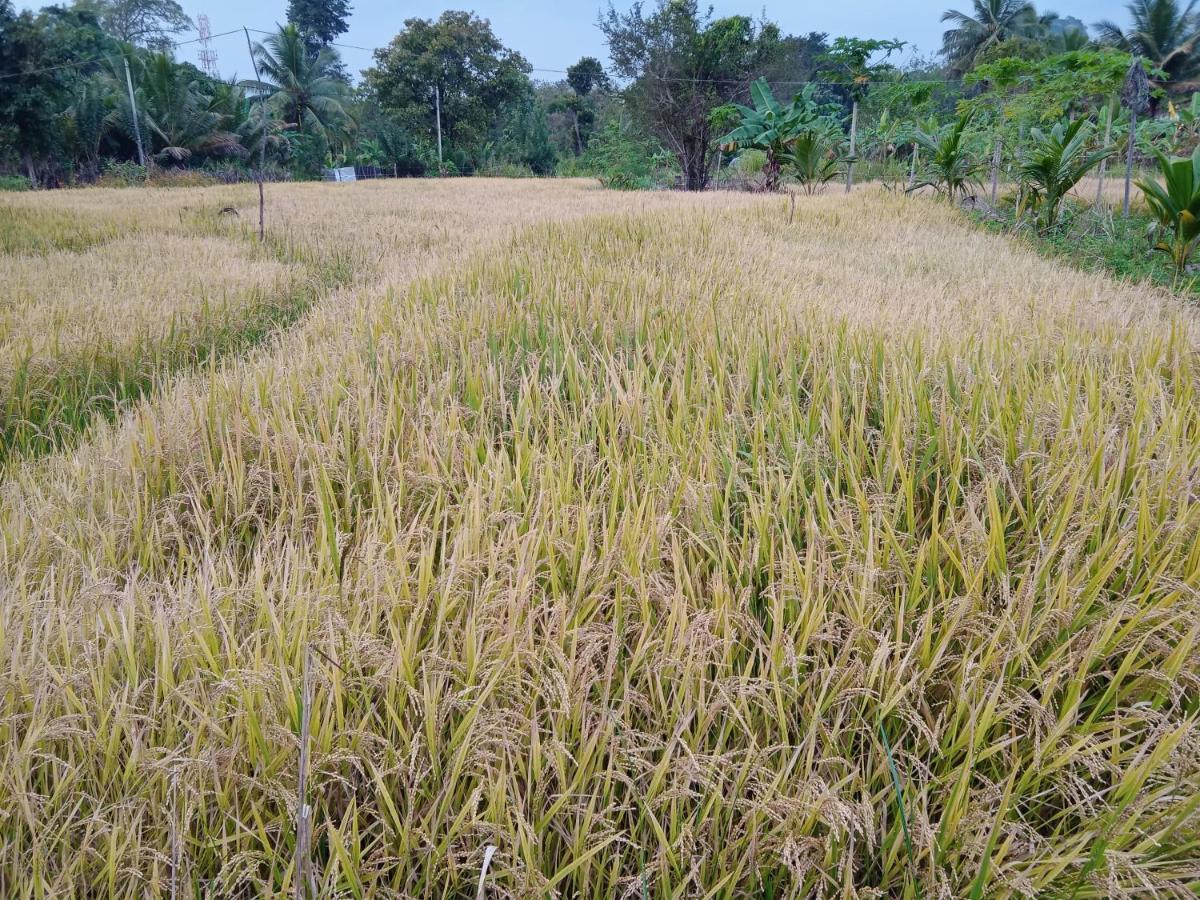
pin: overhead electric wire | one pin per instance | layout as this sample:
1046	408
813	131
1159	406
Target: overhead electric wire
667	78
94	59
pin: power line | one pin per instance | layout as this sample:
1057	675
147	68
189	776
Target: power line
663	78
94	59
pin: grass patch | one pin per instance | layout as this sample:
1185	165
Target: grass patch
100	315
1095	239
48	406
25	230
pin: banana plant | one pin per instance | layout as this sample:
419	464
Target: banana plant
771	126
1176	205
1056	162
949	166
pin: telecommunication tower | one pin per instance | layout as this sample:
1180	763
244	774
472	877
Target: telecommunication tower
208	56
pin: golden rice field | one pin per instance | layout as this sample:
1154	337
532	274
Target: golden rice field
667	547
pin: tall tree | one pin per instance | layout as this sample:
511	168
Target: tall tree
795	61
297	86
683	64
321	22
153	24
180	116
456	61
990	22
586	76
45	56
1165	32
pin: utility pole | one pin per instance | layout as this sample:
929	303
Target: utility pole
137	128
262	142
437	100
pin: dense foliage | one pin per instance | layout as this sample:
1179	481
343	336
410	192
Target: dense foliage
446	95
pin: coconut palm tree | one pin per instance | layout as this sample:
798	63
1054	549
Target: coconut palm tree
180	116
1167	33
91	115
299	86
993	21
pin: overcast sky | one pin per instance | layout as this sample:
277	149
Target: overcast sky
552	34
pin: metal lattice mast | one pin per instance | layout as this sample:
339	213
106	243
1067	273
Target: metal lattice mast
207	55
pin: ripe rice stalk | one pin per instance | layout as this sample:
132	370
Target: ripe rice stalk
620	531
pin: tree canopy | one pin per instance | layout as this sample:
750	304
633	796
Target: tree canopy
460	57
659	109
1167	33
682	64
321	22
153	24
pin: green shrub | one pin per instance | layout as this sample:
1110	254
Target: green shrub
14	183
1176	205
949	167
750	163
122	173
1056	161
624	161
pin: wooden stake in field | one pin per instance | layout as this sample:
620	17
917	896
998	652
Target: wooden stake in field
262	144
1136	96
305	888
